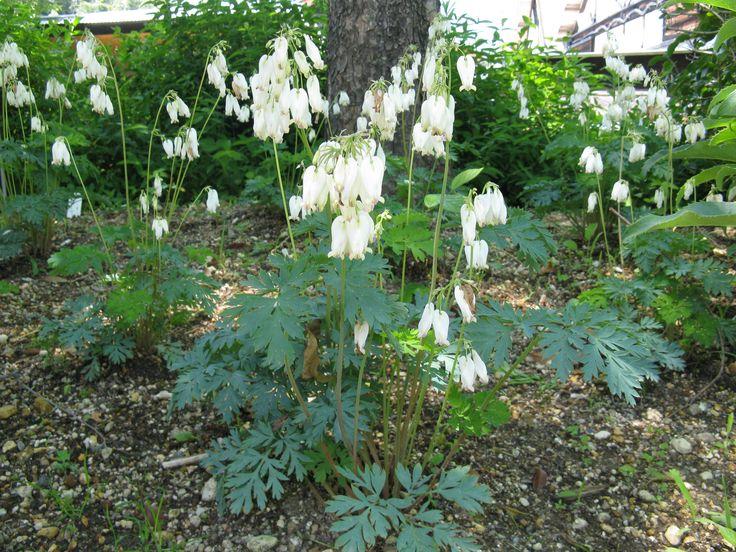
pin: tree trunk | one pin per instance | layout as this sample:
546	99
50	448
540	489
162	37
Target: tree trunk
365	38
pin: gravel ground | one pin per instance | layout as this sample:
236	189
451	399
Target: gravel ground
81	464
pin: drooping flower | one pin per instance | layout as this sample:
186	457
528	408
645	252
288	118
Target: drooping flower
343	99
688	190
637	73
213	200
295	207
316	103
471	367
37	125
299	108
490	207
465	300
157	186
239	85
360	332
466	70
592	201
160	227
591	160
637	152
101	102
694	131
468	220
441	327
168	146
59	153
143	200
361	124
302	64
476	254
74	207
659	197
54	89
190	147
425	322
620	191
713	196
313	53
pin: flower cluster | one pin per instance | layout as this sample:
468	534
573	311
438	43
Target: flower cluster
91	68
435	125
12	59
347	172
517	87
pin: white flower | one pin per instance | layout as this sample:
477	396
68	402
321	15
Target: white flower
159	227
468	220
315	98
54	89
465	305
637	74
466	367
313	53
36	125
361	124
59	153
713	196
74	207
215	78
637	152
143	200
620	191
302	64
190	147
231	105
80	75
168	148
101	102
213	200
441	327
157	186
315	183
295	207
351	235
466	70
335	108
694	131
480	367
220	62
343	99
659	198
592	201
476	255
430	66
360	331
490	207
370	180
299	107
425	322
591	160
617	66
688	190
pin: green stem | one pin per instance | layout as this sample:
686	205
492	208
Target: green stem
603	220
283	198
438	224
408	212
340	363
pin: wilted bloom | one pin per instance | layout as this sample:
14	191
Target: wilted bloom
476	254
688	190
620	191
213	200
465	300
360	331
313	53
159	227
441	327
59	153
295	207
468	220
466	70
490	207
74	207
592	201
713	196
637	152
659	198
425	322
591	160
694	131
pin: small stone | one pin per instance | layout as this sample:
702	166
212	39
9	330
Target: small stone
209	490
646	496
3	339
706	475
124	524
698	408
7	411
524	502
24	491
261	543
42	405
134	396
681	445
673	535
537	546
604	517
8	446
653	415
706	438
106	453
607	528
162	396
602	435
579	524
48	532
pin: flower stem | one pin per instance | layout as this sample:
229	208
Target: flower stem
283	198
340	362
408	212
438	224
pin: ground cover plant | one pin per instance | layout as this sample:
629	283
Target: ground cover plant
364	343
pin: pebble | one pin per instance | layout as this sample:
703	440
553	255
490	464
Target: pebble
48	532
7	411
524	502
209	490
162	396
579	524
673	535
706	438
602	435
42	405
653	415
3	339
681	445
24	491
646	496
604	517
8	446
698	408
706	475
261	543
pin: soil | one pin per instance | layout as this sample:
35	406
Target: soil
575	469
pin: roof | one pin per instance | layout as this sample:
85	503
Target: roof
106	21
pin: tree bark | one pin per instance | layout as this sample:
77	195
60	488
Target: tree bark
365	38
